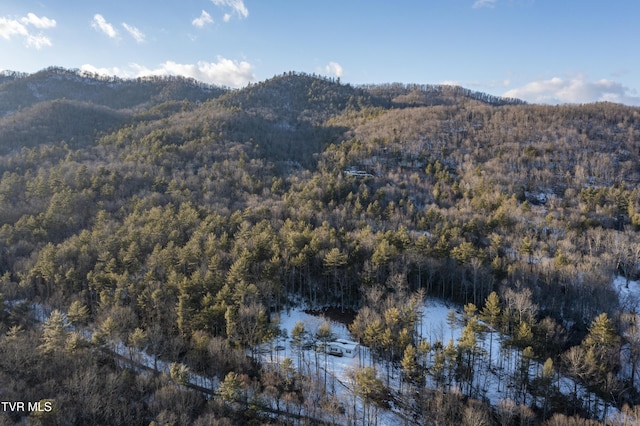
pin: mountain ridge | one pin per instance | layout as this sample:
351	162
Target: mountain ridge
57	82
19	91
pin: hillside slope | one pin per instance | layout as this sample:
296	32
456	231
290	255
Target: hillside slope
52	122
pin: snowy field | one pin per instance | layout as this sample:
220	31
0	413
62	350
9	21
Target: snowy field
493	384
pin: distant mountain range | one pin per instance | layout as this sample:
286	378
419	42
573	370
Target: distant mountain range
20	90
58	104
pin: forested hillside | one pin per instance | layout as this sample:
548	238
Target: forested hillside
181	219
21	91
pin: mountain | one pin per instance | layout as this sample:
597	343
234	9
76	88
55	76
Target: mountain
20	91
288	112
295	115
412	95
313	98
56	104
298	97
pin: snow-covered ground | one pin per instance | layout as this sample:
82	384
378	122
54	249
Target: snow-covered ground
338	369
493	384
628	294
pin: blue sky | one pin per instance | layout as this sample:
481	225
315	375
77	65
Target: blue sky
547	51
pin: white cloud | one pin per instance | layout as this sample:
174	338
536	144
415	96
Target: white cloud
224	72
484	3
10	28
38	41
100	24
237	7
38	22
134	32
202	20
334	69
574	90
